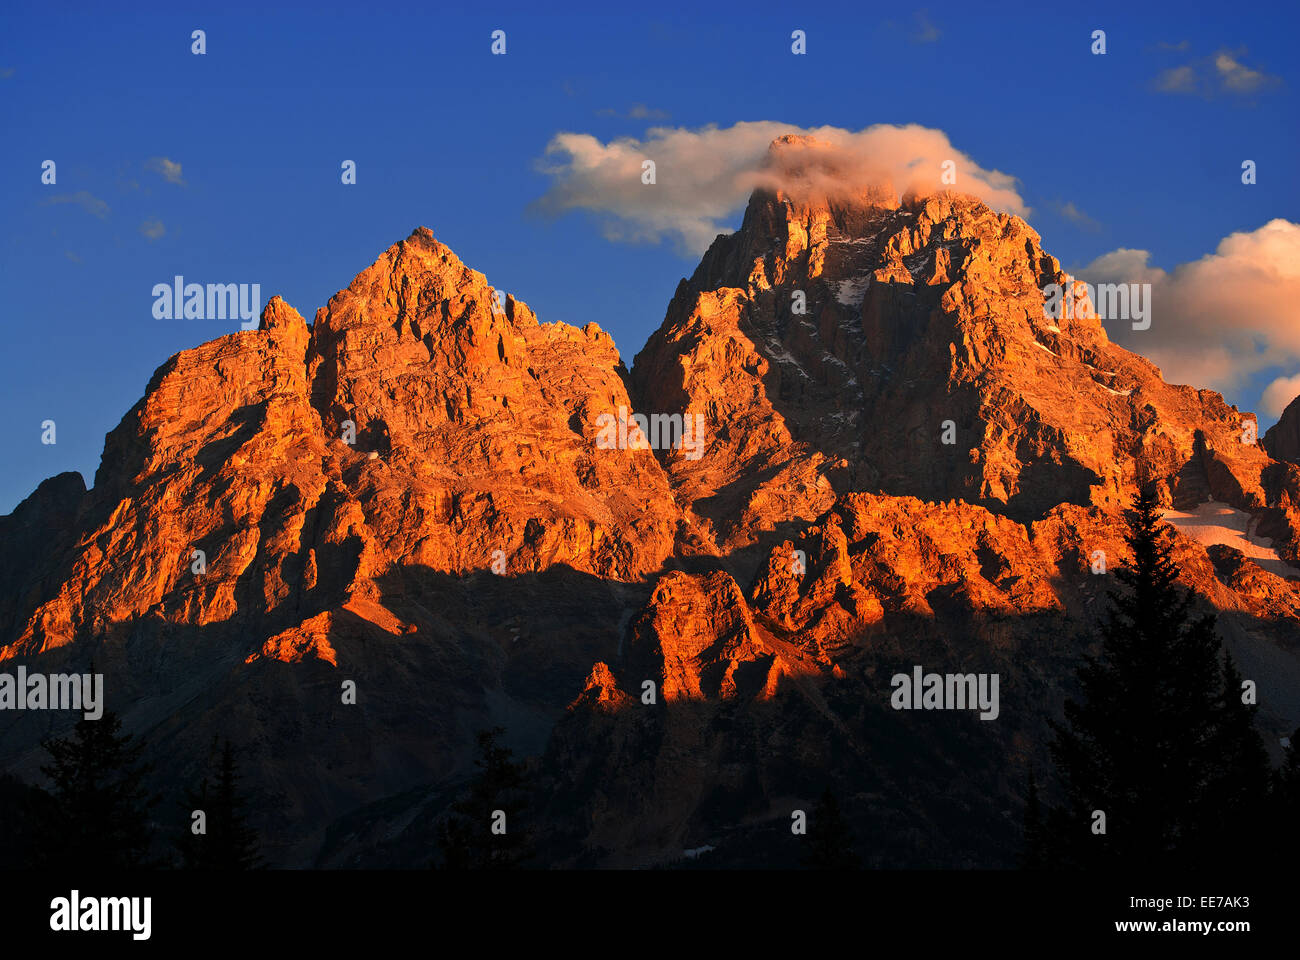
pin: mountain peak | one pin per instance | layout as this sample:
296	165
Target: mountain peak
279	314
853	334
808	172
432	492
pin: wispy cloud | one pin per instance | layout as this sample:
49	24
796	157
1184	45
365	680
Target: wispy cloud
920	29
1222	319
1177	80
638	111
84	199
926	31
1225	73
704	176
1237	77
72	256
1076	216
152	229
169	170
8	72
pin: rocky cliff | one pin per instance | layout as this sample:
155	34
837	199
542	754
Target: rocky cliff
902	461
1282	440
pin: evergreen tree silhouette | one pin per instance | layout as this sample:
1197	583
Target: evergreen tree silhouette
830	840
229	843
1237	795
1145	743
466	837
1284	799
18	804
1034	856
96	812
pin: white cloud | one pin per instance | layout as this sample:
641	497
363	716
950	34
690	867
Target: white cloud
1236	76
704	176
84	199
1077	216
1278	394
1177	80
1224	72
169	170
638	111
1219	320
926	31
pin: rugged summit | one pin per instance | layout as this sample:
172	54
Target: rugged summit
835	335
1282	440
272	493
409	493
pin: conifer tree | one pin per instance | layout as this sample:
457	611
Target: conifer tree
485	829
228	842
1237	795
96	812
1143	745
830	839
19	803
1034	856
1284	803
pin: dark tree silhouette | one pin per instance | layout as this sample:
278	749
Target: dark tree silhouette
466	837
1285	802
1034	856
96	812
1237	794
18	804
1160	741
830	839
229	843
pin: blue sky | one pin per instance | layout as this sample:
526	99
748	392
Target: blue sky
446	135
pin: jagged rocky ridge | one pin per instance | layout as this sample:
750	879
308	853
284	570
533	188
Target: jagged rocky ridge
476	445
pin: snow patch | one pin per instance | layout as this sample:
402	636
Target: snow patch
781	355
1215	522
917	263
853	291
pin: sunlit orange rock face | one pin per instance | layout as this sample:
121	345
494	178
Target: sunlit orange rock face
691	647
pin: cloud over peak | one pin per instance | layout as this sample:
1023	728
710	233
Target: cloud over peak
704	176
